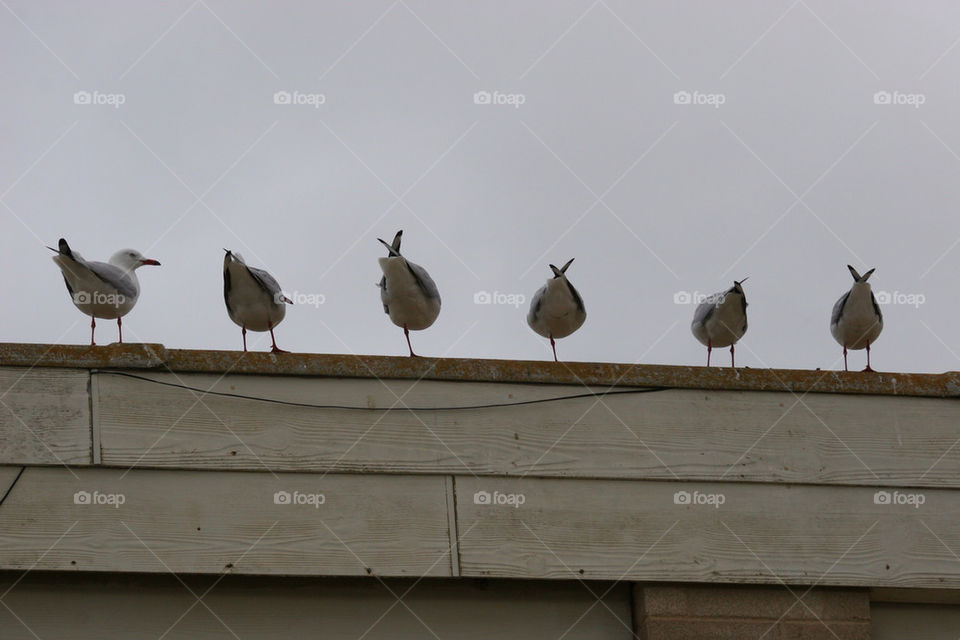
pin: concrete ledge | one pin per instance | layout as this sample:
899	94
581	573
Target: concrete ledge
158	357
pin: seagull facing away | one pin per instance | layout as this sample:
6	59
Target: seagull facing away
409	295
856	322
721	320
253	298
557	309
104	290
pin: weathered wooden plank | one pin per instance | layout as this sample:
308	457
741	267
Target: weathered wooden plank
668	434
84	607
213	522
44	416
761	533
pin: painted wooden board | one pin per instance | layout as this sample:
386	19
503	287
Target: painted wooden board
231	522
128	606
670	434
759	533
44	416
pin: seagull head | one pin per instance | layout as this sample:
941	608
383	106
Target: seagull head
131	259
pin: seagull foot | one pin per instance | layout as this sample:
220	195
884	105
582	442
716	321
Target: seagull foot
277	349
869	369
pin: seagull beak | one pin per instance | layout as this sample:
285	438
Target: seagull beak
150	261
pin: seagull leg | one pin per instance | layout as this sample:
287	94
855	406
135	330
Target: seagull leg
845	358
868	358
243	332
732	366
709	349
120	330
93	325
406	332
275	348
554	346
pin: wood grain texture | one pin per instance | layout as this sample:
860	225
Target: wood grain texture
225	522
762	533
44	416
83	607
669	434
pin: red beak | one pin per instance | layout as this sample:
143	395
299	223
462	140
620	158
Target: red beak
150	261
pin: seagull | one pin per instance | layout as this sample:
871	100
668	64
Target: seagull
857	321
721	319
253	298
104	290
556	309
409	295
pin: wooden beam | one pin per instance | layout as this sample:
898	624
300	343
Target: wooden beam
760	533
225	522
670	434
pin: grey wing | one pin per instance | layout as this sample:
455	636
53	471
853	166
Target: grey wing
703	312
838	308
876	308
424	281
113	276
383	294
266	281
576	298
535	304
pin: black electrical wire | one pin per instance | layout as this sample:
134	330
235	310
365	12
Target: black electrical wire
401	408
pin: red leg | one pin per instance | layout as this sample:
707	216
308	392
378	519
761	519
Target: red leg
845	358
93	325
243	332
709	349
553	345
120	329
406	332
868	358
275	348
731	357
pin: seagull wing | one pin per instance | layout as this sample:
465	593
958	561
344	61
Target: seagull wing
424	281
838	308
576	294
267	282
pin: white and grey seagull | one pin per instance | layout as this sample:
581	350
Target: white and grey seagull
556	309
857	321
721	319
106	290
253	298
409	295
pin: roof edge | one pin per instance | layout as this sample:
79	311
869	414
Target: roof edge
146	356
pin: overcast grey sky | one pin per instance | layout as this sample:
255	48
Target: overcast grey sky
790	167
